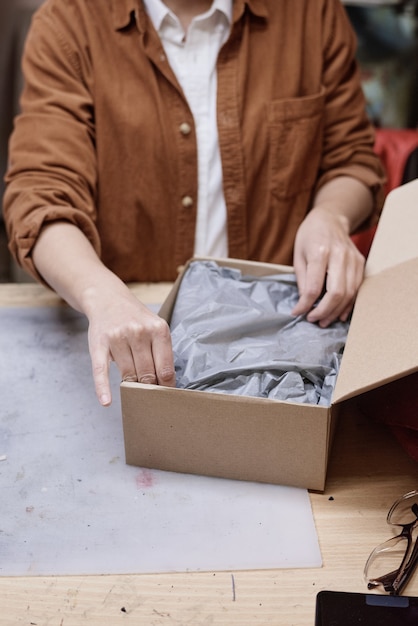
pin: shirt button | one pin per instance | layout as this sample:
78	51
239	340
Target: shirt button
185	128
187	202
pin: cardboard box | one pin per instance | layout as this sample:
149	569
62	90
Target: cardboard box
258	439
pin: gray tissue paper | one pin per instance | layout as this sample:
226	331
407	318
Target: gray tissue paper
235	334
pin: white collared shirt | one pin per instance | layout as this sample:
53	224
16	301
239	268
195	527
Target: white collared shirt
193	60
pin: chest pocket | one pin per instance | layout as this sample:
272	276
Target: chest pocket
296	137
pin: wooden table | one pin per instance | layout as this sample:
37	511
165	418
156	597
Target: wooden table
368	471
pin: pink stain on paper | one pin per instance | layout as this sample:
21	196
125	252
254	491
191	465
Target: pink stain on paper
145	478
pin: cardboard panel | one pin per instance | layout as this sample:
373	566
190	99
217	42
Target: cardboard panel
382	343
396	239
228	436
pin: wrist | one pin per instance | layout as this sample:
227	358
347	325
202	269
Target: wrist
330	213
104	287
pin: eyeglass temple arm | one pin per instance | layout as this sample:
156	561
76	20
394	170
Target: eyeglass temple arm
405	571
395	581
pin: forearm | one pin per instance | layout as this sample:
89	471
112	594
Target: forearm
69	264
121	328
347	198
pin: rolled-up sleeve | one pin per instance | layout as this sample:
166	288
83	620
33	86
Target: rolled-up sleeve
348	134
52	173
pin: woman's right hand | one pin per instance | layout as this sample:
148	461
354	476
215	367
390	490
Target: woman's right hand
123	330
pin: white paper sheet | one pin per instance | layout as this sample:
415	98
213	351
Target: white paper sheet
70	504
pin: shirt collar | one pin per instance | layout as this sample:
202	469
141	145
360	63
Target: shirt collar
157	10
125	10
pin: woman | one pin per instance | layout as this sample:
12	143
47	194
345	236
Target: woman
151	131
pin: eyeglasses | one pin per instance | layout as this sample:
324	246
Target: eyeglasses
391	565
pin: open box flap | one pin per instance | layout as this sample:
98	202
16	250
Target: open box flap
382	343
396	239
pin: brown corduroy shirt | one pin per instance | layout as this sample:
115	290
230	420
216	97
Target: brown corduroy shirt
106	139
